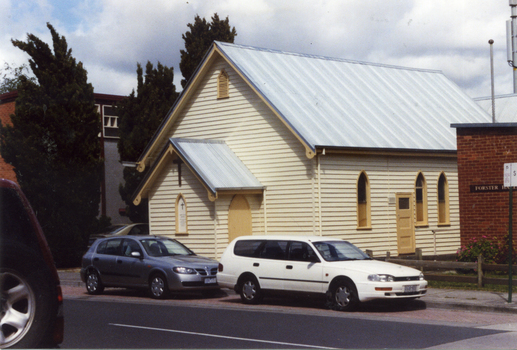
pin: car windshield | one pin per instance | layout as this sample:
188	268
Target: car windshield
340	251
164	247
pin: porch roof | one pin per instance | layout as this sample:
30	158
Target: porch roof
212	162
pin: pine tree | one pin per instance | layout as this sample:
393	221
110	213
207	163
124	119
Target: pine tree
140	116
54	147
197	42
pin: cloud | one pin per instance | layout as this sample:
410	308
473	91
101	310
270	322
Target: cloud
111	36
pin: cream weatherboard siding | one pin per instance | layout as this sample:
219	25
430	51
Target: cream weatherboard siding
262	142
206	228
278	159
387	175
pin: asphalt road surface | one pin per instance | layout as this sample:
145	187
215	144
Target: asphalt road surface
103	323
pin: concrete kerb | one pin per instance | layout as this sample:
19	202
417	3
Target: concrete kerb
454	299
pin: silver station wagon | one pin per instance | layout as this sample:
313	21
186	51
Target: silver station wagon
256	265
158	264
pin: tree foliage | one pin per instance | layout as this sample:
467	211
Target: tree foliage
54	147
199	39
140	116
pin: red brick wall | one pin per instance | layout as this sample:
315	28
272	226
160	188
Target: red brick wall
482	153
6	109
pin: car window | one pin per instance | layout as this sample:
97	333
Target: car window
129	246
274	250
249	248
110	246
340	251
164	247
301	251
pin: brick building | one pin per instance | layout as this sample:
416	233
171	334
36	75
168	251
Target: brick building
483	149
7	103
111	204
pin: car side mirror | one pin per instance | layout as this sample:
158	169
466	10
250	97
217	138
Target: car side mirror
136	254
314	259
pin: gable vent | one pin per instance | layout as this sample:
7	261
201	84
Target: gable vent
223	85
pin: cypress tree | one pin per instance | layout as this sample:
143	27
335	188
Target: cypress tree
140	115
54	147
199	39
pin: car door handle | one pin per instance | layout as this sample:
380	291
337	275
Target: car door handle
95	259
289	267
256	264
119	261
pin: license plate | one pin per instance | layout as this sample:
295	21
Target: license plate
410	289
210	280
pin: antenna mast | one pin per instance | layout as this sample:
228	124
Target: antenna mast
511	42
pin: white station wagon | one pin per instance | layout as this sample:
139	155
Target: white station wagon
256	265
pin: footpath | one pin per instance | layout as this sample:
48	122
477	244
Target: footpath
436	298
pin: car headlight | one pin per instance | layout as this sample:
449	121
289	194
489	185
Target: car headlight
184	270
380	278
421	277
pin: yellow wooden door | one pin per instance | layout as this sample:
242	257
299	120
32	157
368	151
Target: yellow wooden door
239	218
405	225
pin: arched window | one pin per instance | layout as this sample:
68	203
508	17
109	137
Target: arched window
363	201
181	215
443	200
223	85
421	200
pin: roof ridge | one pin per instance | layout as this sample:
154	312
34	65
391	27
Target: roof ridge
327	58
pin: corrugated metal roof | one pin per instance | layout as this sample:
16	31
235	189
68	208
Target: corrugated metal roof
216	164
505	107
342	103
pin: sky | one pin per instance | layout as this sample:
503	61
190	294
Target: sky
111	36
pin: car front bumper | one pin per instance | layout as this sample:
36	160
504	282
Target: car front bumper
391	290
186	282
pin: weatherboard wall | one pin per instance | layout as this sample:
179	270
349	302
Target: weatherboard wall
291	201
387	175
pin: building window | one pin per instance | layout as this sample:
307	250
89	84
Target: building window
363	201
223	85
110	120
421	200
181	215
443	200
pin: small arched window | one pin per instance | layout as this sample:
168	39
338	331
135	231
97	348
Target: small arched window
223	85
421	200
443	200
363	201
181	215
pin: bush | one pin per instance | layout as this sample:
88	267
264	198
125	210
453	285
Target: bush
493	250
502	257
488	248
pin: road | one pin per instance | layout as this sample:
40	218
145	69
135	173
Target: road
122	319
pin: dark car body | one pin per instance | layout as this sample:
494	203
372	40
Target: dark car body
159	264
32	301
138	229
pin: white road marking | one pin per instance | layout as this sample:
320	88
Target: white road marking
221	336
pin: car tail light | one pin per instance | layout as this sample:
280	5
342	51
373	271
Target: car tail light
220	268
59	327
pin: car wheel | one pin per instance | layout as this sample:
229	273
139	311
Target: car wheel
158	288
93	283
250	290
343	295
26	309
